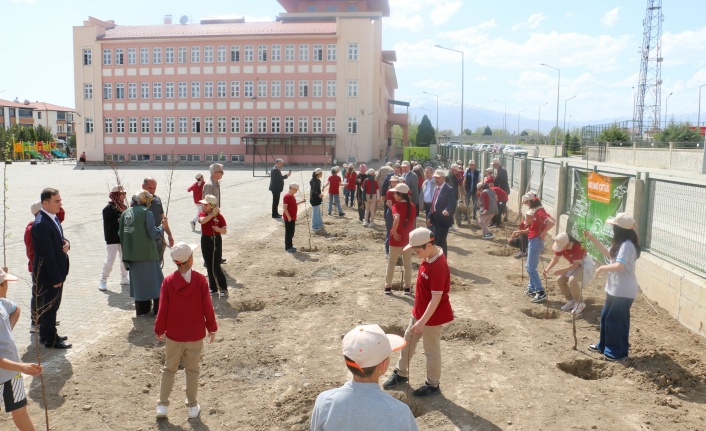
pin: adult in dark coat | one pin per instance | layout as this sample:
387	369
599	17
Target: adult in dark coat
471	178
277	185
443	207
50	266
412	181
501	176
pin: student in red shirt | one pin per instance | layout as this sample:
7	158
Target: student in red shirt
502	206
289	213
371	195
540	225
334	183
430	312
389	202
518	239
197	191
213	225
404	215
184	318
569	278
349	189
488	209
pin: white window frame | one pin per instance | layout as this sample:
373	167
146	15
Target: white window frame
119	56
170	125
261	124
289	52
195	54
288	124
87	56
195	89
156	90
261	88
262	53
221	91
317	88
208	125
144	90
303	125
132	90
145	125
248	53
221	54
157	125
248	125
331	88
248	89
331	52
108	126
144	56
276	54
196	125
183	125
317	53
353	51
221	125
132	125
235	53
234	89
352	88
275	125
120	125
107	91
107	56
182	90
132	56
276	88
316	125
208	54
234	124
303	88
352	125
303	52
169	55
330	125
169	90
181	54
88	91
157	55
208	89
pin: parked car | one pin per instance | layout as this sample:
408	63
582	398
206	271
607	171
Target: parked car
484	147
515	150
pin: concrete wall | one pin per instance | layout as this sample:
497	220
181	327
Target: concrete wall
684	160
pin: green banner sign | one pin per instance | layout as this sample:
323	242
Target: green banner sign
596	198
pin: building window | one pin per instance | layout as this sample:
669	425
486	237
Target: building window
87	57
189	157
131	56
331	88
196	54
261	88
248	89
208	125
169	55
108	125
208	54
157	90
353	51
156	55
249	52
145	90
311	9
247	125
208	89
303	125
316	125
119	59
132	90
276	88
181	90
195	89
107	54
234	124
288	52
157	122
331	125
331	52
275	124
288	124
352	88
276	52
144	55
331	8
234	89
221	89
182	125
169	124
221	54
181	54
289	88
119	90
145	125
352	8
237	158
132	125
169	90
352	125
222	125
303	52
88	91
261	124
195	125
318	88
318	52
303	88
215	157
107	91
162	157
234	53
262	53
120	125
139	157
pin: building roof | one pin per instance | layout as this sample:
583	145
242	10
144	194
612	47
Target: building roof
383	6
12	104
44	106
216	30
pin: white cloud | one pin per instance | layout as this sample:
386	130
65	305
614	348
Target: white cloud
435	86
25	1
532	22
610	17
687	47
413	15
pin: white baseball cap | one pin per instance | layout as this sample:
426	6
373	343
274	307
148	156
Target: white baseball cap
440	173
36	207
371	172
560	242
209	199
529	196
198	176
182	251
417	237
294	186
117	189
623	220
368	345
401	188
6	276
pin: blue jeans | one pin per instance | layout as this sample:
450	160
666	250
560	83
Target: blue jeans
615	327
535	247
316	221
337	200
349	194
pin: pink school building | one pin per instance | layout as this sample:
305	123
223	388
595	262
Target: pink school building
314	86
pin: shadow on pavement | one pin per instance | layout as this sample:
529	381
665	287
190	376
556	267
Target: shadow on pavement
470	276
142	332
194	425
57	371
120	299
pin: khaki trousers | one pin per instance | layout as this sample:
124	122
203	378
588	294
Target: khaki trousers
190	352
570	284
431	339
392	262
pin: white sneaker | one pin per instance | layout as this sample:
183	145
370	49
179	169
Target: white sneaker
125	280
193	412
579	308
161	411
102	286
193	226
568	306
366	224
453	228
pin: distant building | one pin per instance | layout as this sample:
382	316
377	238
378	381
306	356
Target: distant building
313	86
57	118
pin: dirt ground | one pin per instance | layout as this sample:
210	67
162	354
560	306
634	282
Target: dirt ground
508	364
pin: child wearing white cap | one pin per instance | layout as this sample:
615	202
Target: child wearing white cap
213	226
569	278
360	404
289	213
196	190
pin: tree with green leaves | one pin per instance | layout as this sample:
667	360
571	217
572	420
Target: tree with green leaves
44	134
524	133
487	131
614	134
575	145
467	132
678	133
425	134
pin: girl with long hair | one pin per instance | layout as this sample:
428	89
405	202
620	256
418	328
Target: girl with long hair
316	197
540	225
404	214
569	278
371	196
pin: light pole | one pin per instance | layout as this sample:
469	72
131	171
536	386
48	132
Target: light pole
518	124
569	121
426	109
437	109
539	114
698	119
558	84
462	81
504	116
563	152
666	109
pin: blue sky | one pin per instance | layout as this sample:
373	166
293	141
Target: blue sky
595	44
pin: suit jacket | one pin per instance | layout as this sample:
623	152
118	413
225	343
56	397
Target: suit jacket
501	179
277	180
445	201
413	183
51	264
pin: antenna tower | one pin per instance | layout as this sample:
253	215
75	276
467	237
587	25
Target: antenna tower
648	106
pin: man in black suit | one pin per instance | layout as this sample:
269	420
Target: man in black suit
443	207
410	178
276	186
50	266
501	178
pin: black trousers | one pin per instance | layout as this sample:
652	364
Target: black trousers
440	234
289	233
520	242
501	215
144	307
275	203
49	302
361	207
212	250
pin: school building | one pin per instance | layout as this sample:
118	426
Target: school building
32	114
314	86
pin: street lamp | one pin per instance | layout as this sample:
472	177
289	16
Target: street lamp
462	81
539	114
666	109
563	152
518	124
558	84
504	116
698	119
426	109
437	109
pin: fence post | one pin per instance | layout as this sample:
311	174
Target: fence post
560	203
539	192
645	208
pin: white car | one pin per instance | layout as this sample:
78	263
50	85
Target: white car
515	150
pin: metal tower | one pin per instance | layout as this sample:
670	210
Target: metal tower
648	106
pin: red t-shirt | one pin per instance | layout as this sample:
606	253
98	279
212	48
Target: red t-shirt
207	228
420	181
522	226
390	196
402	230
500	193
539	219
576	252
334	184
370	187
197	189
291	203
350	180
489	180
433	276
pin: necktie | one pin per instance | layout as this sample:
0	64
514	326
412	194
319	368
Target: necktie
58	225
433	200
